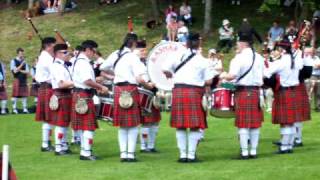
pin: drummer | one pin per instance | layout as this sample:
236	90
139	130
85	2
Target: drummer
190	74
128	71
150	121
246	69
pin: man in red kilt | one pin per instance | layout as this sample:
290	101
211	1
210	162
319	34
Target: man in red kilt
43	76
20	71
190	74
306	63
149	120
246	69
84	89
3	89
285	109
128	71
61	84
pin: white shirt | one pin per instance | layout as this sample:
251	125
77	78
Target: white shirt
59	72
316	71
82	71
216	63
128	67
195	72
288	77
13	66
43	67
242	62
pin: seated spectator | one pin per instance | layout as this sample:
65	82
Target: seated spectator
185	13
108	2
225	36
275	33
169	13
292	31
172	28
183	32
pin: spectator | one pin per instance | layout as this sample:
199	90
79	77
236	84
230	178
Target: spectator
235	2
183	32
172	28
216	61
292	31
225	36
247	30
185	13
169	13
275	33
170	10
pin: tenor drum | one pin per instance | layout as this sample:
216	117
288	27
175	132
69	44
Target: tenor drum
222	103
106	110
160	55
146	99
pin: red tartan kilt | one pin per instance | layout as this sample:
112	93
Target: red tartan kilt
62	116
83	121
43	112
285	110
303	103
187	111
3	93
19	90
126	117
34	90
247	108
153	117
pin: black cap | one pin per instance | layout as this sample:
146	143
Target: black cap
59	47
48	40
19	50
130	36
244	38
89	44
141	44
194	37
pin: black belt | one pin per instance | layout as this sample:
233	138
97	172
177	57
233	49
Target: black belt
125	84
89	91
45	84
186	86
287	88
247	87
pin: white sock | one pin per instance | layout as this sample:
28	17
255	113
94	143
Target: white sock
123	140
87	143
193	139
144	136
181	136
3	105
24	103
244	137
202	133
298	131
35	100
152	137
285	133
81	141
76	135
46	132
65	139
14	103
254	140
58	134
291	137
132	141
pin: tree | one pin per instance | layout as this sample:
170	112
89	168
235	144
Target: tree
207	17
30	4
155	9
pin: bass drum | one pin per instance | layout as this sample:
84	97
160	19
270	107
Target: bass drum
160	55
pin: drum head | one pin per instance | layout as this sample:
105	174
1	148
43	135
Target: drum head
163	52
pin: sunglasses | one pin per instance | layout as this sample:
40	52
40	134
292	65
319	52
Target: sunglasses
64	52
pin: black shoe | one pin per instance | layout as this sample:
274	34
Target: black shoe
282	152
88	158
123	159
153	150
253	156
144	150
241	157
61	153
132	160
290	151
278	143
298	144
195	160
47	149
76	143
182	160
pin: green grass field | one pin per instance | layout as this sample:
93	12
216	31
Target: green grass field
108	25
22	133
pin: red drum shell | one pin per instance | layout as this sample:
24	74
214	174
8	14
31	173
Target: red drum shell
222	103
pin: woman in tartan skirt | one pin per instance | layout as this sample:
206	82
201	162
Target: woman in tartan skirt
285	110
247	71
190	74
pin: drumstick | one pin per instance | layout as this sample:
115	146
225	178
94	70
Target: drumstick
34	28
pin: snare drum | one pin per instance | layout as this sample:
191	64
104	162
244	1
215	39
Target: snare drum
222	103
106	110
146	99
